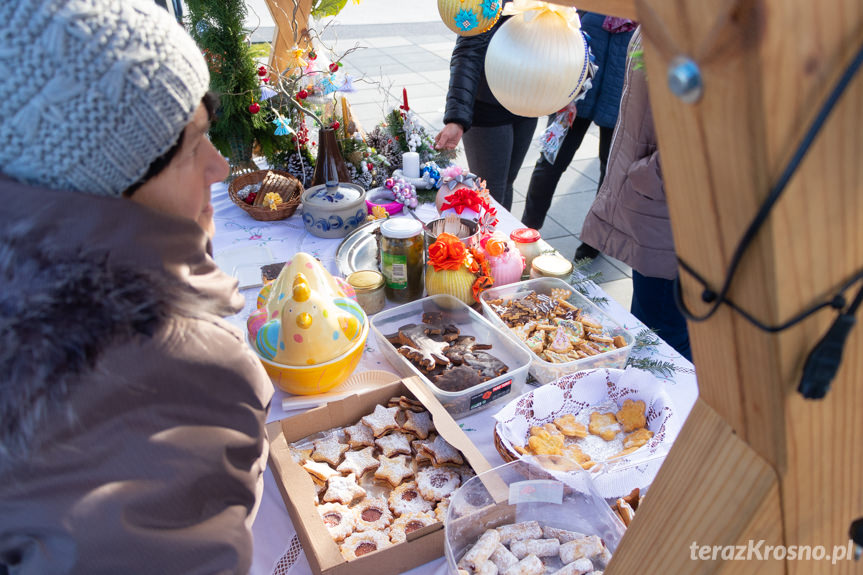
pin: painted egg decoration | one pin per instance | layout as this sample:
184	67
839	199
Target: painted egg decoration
264	294
256	320
267	339
469	17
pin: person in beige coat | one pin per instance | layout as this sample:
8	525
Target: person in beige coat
132	415
629	217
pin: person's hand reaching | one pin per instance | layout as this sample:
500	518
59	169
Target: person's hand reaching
449	137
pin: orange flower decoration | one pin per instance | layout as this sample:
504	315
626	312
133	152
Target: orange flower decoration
481	284
495	246
448	253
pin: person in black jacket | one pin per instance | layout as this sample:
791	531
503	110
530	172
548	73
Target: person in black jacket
495	140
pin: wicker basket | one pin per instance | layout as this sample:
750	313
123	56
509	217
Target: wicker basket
505	454
287	186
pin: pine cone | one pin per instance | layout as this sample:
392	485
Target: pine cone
300	169
394	157
364	179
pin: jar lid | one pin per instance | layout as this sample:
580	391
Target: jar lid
333	193
401	228
524	235
366	280
552	265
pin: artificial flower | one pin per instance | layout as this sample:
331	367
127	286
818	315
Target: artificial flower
495	246
490	8
447	253
466	20
272	200
380	212
481	284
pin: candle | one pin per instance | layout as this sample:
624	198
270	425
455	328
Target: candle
405	96
411	164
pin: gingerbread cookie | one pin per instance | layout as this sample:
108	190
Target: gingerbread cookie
486	364
343	489
442	453
463	346
418	423
435	483
406	403
406	498
458	378
408	523
329	450
394	444
338	519
421	348
394	470
604	425
359	462
363	543
382	420
372	514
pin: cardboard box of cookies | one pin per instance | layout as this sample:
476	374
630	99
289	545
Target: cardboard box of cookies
561	329
367	479
467	362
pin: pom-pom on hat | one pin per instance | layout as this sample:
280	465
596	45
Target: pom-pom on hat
93	91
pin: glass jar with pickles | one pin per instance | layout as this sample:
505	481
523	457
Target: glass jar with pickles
402	259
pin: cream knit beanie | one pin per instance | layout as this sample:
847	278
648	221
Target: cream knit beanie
93	91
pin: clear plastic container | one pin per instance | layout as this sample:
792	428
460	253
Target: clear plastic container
546	371
528	490
473	399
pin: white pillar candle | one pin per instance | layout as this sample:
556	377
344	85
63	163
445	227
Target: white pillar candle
411	164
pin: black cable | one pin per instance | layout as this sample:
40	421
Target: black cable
716	299
824	360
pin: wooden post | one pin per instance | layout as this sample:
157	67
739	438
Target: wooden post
292	28
754	460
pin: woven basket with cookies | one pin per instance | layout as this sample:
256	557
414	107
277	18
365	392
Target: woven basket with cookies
267	195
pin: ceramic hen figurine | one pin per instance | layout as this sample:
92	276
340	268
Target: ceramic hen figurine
305	317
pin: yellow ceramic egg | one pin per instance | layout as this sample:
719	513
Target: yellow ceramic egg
317	277
469	17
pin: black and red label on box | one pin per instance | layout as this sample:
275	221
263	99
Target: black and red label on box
480	399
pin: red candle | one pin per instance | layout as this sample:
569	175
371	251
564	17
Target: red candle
405	96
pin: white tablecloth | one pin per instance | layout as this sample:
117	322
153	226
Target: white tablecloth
242	244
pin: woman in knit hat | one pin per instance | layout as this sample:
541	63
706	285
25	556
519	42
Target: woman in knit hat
132	415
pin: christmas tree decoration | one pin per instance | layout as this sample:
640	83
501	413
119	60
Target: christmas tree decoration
469	17
254	108
538	61
262	71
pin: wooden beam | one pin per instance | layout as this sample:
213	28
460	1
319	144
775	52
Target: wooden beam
766	66
292	28
712	490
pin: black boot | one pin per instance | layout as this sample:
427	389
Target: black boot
585	251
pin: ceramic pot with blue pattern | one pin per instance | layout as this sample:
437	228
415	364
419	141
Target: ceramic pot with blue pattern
334	209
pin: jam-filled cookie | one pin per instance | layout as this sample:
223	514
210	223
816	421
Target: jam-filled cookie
435	483
382	420
372	514
406	498
408	523
338	519
394	470
363	543
359	462
343	489
395	443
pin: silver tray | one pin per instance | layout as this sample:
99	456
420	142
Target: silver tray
359	249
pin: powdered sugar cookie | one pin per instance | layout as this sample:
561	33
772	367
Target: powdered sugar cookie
363	543
394	470
519	531
408	523
382	420
338	519
360	435
435	483
631	415
394	444
442	453
538	547
372	514
329	450
418	423
604	425
406	498
320	470
343	489
359	462
562	535
441	508
421	455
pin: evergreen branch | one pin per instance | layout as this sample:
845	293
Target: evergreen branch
654	366
644	339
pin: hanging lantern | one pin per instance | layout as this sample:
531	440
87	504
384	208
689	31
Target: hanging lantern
469	17
538	61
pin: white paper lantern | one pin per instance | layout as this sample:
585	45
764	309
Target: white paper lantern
469	17
537	61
